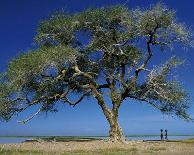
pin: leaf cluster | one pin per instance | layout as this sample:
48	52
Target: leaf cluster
116	36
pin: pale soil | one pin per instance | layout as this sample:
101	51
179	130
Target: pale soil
134	147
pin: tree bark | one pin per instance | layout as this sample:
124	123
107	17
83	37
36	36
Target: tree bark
115	132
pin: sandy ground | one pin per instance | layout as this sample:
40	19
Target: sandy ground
138	147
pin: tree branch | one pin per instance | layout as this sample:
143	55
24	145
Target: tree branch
75	102
144	100
31	117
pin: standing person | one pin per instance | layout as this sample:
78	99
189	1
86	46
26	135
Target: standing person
166	134
161	134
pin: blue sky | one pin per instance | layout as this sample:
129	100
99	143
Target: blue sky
18	22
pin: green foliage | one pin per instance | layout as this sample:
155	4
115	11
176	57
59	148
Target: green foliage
7	109
33	63
59	29
168	93
162	22
62	66
108	26
158	16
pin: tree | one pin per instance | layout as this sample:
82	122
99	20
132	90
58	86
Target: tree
116	60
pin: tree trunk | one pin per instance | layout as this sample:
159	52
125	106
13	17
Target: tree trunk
115	132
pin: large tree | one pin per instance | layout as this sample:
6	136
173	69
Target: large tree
95	53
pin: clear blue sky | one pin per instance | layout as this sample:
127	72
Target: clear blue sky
18	22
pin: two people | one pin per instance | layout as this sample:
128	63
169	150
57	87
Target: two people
165	135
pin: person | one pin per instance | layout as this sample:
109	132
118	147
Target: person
166	134
161	134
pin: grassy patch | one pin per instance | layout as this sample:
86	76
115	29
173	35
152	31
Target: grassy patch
157	148
147	152
188	140
67	139
114	151
20	152
183	141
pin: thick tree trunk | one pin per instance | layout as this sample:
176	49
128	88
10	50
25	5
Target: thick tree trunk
115	132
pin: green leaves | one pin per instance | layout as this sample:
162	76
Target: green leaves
7	108
161	22
34	63
157	17
108	26
59	29
113	59
165	91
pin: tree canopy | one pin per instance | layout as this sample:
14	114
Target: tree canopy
121	44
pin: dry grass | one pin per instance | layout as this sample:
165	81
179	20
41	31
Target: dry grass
99	148
188	141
